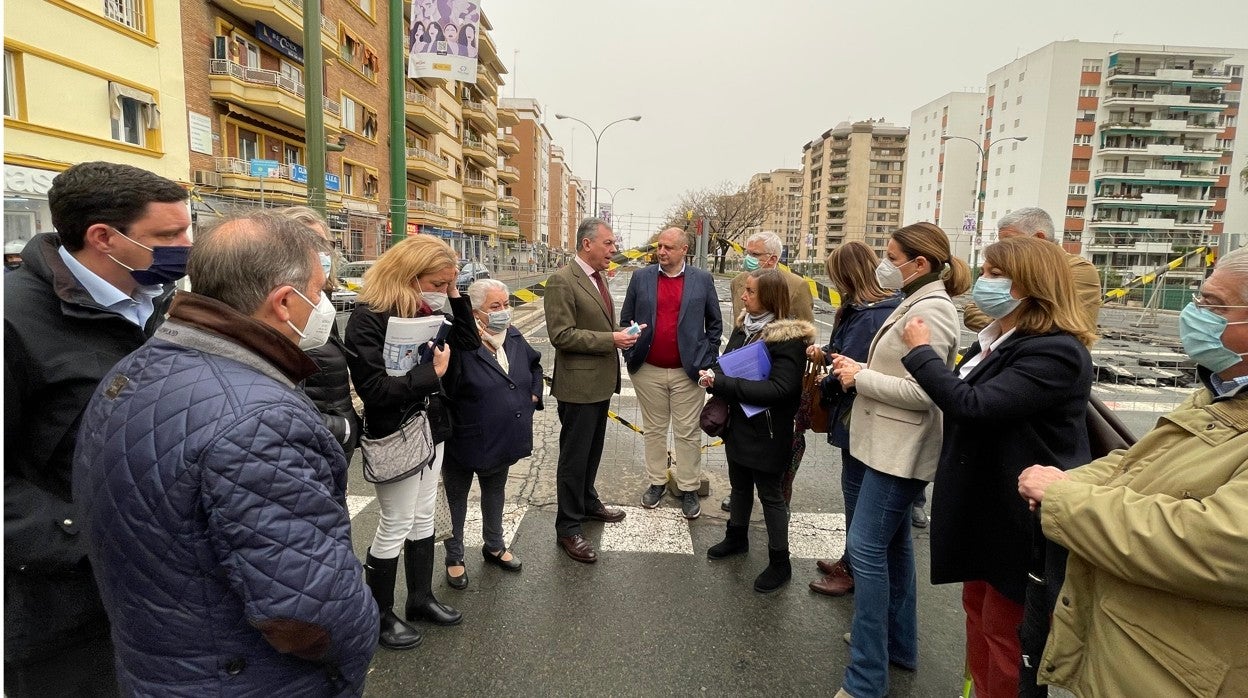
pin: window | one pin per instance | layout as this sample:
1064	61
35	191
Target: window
1021	76
348	178
10	86
1074	212
1007	83
1085	139
1088	92
128	13
133	113
1077	189
349	107
1009	191
293	154
1011	169
1235	70
1013	146
1091	66
1079	165
1016	122
366	6
248	145
291	72
244	52
370	124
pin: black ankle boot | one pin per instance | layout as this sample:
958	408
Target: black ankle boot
777	573
379	575
421	603
736	542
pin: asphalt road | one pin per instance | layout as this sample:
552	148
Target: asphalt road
654	616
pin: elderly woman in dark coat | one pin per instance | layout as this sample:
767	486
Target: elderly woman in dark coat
494	391
1018	396
759	448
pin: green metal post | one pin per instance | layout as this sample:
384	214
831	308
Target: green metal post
398	130
313	104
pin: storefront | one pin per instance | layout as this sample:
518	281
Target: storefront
26	212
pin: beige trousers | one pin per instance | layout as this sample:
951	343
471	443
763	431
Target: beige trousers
668	398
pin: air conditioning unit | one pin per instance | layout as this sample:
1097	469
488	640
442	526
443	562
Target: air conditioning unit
207	178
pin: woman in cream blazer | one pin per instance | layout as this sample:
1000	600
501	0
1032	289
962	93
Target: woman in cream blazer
895	431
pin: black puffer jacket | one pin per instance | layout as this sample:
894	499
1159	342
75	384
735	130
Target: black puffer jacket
330	390
58	344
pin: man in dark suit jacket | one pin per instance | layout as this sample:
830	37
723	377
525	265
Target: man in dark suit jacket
680	305
580	320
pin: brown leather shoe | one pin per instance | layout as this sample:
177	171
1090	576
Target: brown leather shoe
826	566
578	548
837	582
605	513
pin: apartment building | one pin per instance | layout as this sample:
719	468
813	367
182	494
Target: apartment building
578	209
852	187
83	82
940	170
783	188
560	177
1131	147
531	161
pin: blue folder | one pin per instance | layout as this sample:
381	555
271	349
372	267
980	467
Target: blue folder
749	362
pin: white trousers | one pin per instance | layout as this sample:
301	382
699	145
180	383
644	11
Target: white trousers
407	509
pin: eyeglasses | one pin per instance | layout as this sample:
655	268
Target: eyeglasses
1199	301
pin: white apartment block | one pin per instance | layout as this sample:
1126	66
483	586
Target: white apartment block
1131	147
940	173
785	219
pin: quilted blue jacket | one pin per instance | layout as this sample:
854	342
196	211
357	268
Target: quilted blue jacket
223	556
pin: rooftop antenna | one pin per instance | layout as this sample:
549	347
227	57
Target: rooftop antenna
1116	35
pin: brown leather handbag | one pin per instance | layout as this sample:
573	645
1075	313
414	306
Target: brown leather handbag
812	414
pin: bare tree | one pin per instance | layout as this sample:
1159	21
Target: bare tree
727	210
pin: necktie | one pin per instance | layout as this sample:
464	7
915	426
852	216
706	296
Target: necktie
606	296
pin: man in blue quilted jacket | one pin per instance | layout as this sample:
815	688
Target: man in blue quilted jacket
206	480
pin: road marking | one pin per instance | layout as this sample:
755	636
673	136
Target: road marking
358	503
816	536
648	531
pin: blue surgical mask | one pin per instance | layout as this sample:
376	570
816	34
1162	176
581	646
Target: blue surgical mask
168	263
326	262
750	262
1200	331
992	295
499	320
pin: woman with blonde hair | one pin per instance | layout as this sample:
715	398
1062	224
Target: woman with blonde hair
415	278
1019	396
864	308
894	430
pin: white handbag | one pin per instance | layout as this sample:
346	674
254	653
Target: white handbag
401	454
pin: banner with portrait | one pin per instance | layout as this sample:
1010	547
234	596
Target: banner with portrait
443	39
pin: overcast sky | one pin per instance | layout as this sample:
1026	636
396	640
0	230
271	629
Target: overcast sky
727	88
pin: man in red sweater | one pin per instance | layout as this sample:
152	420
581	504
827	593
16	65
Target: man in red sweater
679	304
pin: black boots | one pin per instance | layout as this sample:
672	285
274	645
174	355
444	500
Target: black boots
380	575
777	573
418	568
736	542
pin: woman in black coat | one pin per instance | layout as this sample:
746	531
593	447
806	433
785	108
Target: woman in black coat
415	278
865	306
759	448
493	391
1018	397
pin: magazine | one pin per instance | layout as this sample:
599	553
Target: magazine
404	339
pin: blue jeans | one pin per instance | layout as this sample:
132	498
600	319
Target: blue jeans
852	471
885	627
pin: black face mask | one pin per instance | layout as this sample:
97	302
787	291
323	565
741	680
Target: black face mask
12	263
168	265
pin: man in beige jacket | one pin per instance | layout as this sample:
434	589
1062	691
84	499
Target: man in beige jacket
1036	223
762	251
1155	600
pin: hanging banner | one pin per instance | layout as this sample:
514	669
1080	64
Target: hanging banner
442	40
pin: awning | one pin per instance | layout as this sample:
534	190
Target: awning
151	113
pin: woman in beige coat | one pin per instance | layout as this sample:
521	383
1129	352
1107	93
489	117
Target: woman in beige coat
895	430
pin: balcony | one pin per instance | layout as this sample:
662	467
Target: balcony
509	144
1184	77
509	230
424	212
485	82
267	92
423	112
480	189
1152	201
509	174
1151	224
284	16
480	225
509	203
1173	177
280	185
480	151
426	164
508	117
482	114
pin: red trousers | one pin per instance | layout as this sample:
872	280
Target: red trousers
992	647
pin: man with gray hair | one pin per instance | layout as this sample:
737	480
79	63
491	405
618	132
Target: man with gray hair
762	251
1035	222
207	484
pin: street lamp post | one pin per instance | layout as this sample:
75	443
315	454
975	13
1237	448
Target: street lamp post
613	193
979	191
597	137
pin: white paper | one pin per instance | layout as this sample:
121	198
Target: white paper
404	337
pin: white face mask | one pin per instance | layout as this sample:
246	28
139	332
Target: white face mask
890	276
316	330
437	301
